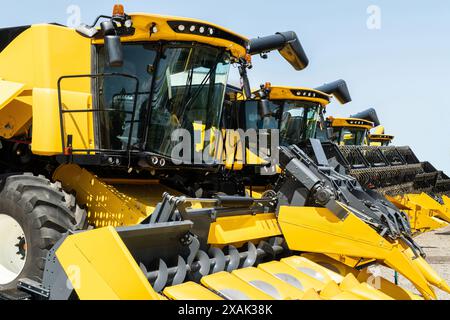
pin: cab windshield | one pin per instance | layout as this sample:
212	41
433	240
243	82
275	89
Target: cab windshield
180	87
296	120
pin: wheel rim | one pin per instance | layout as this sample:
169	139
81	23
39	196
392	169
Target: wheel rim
13	249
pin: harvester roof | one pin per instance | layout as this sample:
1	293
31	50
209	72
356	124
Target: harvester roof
298	93
381	137
152	27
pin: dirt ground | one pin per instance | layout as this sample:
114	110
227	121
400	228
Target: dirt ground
437	247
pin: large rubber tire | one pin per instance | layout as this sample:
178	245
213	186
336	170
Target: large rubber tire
44	212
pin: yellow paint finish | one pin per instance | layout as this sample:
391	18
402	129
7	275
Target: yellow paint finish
446	202
394	291
15	119
285	93
363	290
149	194
380	138
312	269
256	192
319	230
9	91
242	229
143	22
327	266
336	269
40	55
233	288
234	153
283	272
311	295
100	267
425	213
332	292
429	273
106	206
46	121
190	291
282	290
348	283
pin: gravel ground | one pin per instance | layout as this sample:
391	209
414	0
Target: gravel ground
437	247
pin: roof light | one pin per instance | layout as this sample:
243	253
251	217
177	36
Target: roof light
118	10
248	58
202	30
211	31
192	29
267	85
181	27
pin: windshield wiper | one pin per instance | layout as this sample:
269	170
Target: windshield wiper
193	97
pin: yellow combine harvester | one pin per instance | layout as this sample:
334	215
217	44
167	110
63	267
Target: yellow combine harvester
94	111
378	138
425	213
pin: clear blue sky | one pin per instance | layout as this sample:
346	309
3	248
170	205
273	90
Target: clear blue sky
402	69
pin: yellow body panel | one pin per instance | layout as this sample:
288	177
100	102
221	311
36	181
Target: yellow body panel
46	121
106	206
311	295
292	276
40	55
319	230
332	292
363	290
100	267
242	229
12	121
446	202
143	22
394	291
272	286
312	269
233	288
37	58
425	213
336	269
285	93
9	91
348	283
190	291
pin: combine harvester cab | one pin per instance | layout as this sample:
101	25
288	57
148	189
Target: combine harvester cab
102	112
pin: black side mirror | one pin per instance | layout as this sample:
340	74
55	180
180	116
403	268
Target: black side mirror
287	43
113	46
332	135
337	88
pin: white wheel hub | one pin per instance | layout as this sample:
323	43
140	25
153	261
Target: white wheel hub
13	249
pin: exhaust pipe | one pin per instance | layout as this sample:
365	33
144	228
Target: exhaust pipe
370	115
338	89
287	43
